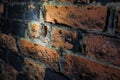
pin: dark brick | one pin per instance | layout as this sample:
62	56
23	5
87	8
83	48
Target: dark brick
43	54
65	39
16	12
32	12
18	28
6	26
12	58
85	17
103	48
79	68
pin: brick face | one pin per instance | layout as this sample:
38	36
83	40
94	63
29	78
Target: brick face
40	53
79	68
8	42
103	48
7	72
65	39
1	8
33	70
59	40
87	17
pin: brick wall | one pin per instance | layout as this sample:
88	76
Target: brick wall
60	40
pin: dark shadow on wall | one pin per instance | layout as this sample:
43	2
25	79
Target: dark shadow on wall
21	77
50	75
12	59
105	1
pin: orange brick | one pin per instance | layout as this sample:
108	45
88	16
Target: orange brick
79	68
65	39
41	53
8	42
33	70
103	48
84	17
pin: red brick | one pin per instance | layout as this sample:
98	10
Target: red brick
1	8
84	17
103	48
118	27
79	68
41	53
65	39
8	42
33	70
7	72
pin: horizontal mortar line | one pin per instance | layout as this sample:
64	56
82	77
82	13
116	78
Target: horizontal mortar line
99	62
82	31
36	61
104	34
20	20
22	3
63	26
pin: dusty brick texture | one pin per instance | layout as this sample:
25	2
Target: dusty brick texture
33	70
43	54
65	39
79	68
8	42
7	72
103	48
86	18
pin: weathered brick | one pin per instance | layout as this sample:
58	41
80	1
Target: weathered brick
41	53
118	27
103	48
8	42
1	8
7	72
79	68
84	17
65	39
33	70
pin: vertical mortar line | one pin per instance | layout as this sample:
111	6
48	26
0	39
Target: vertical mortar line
109	20
6	14
59	63
82	44
115	20
10	21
